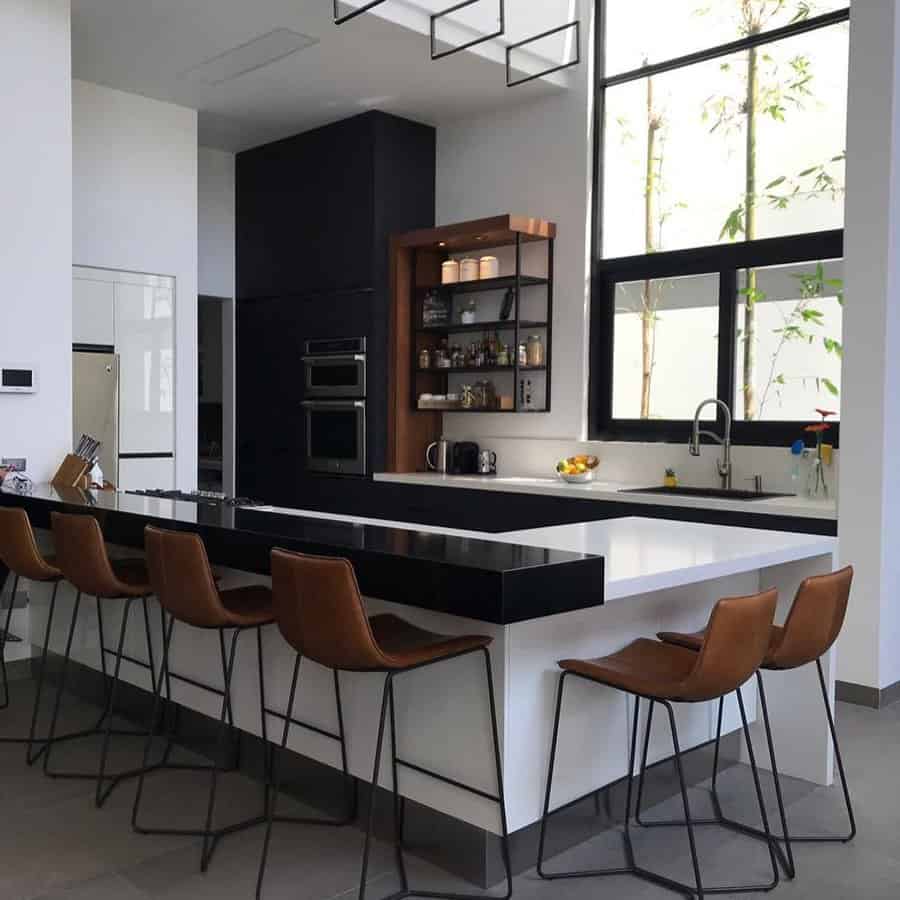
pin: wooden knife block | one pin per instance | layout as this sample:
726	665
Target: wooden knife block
72	471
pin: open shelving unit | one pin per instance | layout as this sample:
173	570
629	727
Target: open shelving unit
416	259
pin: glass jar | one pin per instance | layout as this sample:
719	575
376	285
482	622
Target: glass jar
424	359
485	395
535	351
469	312
523	354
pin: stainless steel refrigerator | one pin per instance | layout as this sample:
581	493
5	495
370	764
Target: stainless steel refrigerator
95	405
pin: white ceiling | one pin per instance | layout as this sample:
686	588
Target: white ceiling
147	47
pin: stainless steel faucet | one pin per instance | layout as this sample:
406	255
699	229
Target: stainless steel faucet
723	466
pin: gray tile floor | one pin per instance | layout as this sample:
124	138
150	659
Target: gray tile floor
54	845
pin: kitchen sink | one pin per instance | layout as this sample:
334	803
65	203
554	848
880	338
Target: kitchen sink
719	493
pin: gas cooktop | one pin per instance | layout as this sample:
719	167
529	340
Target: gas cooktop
210	498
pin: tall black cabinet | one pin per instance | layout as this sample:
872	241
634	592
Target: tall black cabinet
314	217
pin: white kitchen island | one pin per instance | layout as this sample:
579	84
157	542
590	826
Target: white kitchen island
658	575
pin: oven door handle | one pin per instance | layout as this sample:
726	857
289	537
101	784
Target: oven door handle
336	357
334	404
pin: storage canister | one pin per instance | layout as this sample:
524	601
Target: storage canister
468	270
450	272
488	267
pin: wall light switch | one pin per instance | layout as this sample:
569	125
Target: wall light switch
13	463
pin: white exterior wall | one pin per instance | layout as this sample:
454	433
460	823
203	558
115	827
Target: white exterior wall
135	209
870	518
36	228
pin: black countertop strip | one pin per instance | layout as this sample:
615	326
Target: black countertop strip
476	578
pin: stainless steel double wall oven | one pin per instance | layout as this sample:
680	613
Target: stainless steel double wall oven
335	405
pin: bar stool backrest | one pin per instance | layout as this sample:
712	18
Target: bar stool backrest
320	612
18	547
182	578
81	554
736	642
815	620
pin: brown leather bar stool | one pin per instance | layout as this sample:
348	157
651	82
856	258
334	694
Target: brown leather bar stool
19	553
809	632
320	613
82	558
734	646
184	584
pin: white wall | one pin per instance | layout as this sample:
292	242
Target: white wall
135	208
533	159
36	227
216	222
216	263
870	432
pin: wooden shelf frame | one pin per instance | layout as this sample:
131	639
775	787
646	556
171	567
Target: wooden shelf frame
415	264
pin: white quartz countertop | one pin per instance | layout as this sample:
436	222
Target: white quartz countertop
800	507
642	555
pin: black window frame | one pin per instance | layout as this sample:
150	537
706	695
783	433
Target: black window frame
726	260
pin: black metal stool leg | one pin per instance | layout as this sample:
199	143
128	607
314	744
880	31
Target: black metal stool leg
629	868
838	757
498	766
157	691
720	819
104	726
718	746
4	634
684	798
759	795
554	740
209	840
398	815
786	856
276	779
101	795
32	758
499	799
827	838
374	786
235	735
353	810
643	770
275	784
210	836
62	683
263	721
169	709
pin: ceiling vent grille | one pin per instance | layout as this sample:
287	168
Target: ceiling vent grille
249	57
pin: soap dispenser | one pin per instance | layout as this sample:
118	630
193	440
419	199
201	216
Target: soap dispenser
797	450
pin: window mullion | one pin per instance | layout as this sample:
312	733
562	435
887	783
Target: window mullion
728	293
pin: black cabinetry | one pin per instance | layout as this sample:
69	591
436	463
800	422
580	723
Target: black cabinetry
314	216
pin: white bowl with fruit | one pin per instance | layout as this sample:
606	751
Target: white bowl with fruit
577	469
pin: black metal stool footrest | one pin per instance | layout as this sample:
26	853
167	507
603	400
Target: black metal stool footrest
88	732
213	836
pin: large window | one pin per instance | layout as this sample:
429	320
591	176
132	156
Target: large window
719	214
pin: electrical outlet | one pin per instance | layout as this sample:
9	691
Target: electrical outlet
13	463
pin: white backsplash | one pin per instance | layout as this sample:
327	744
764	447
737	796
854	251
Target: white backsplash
644	464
